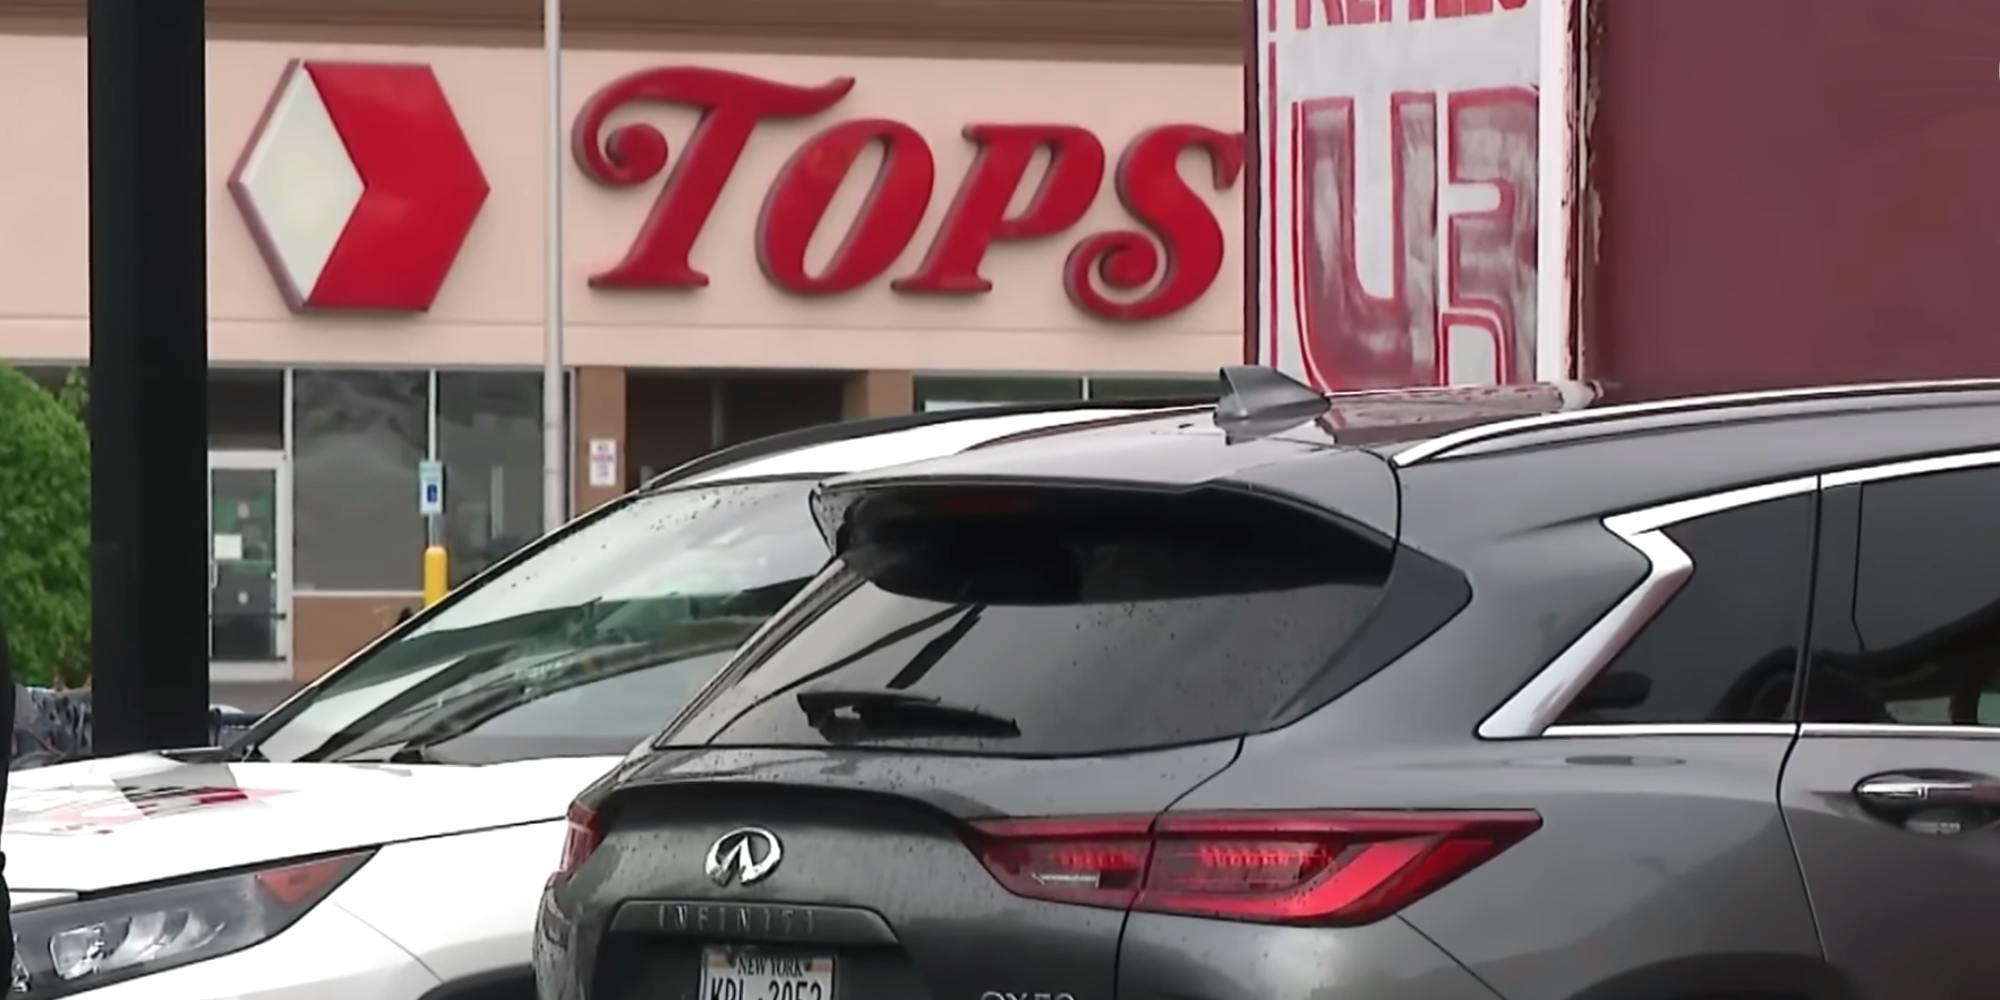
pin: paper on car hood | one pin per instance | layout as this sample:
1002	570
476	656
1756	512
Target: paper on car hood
129	820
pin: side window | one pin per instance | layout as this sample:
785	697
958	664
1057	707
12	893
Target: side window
1917	641
1726	648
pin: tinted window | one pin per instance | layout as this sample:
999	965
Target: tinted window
1918	639
588	646
1084	624
1726	647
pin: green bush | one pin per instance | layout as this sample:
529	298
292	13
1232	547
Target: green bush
44	530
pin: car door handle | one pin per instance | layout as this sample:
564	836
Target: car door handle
1908	792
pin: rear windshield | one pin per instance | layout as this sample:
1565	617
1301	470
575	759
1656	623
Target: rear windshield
1078	624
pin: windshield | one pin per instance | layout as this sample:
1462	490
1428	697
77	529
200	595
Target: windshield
584	648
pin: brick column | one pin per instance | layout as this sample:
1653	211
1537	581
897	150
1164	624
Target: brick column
879	394
600	416
326	630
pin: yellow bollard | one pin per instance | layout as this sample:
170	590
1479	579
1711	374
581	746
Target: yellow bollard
436	572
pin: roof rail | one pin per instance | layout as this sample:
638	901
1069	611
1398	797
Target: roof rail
846	429
1444	445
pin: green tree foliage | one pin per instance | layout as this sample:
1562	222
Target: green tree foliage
75	395
44	529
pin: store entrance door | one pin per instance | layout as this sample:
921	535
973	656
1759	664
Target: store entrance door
249	567
671	417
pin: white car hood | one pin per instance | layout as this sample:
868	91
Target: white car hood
121	821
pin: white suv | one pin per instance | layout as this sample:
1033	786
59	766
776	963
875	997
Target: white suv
386	832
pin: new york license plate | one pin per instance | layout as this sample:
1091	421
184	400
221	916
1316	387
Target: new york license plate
743	974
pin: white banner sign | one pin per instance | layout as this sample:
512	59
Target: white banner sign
1400	191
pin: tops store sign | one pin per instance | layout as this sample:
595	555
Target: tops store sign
361	189
1121	274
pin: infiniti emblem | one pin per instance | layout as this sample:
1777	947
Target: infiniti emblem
747	856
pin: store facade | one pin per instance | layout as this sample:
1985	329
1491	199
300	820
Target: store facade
753	240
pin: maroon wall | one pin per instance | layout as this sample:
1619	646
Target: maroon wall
1793	191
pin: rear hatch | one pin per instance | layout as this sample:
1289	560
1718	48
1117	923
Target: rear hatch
939	774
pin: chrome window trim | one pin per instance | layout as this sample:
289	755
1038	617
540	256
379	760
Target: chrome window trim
1892	729
1444	444
1910	468
1641	729
1535	707
1531	712
1540	702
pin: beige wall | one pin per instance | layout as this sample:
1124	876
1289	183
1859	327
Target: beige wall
489	311
1172	30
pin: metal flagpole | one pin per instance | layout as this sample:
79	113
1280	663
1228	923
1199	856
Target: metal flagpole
555	505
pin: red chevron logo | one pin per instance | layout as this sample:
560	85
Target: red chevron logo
359	186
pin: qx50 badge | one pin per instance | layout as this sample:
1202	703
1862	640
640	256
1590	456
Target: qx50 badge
746	856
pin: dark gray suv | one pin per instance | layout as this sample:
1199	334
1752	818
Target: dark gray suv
1373	697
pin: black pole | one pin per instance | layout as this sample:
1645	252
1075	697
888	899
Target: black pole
148	375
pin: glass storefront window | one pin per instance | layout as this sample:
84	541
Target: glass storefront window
954	392
246	409
357	438
490	438
755	406
246	406
1152	388
950	392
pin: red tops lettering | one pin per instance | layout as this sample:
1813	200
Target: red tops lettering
1125	274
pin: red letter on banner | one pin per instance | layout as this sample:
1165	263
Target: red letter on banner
1491	255
1354	339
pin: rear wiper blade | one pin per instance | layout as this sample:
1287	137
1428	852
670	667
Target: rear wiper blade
877	710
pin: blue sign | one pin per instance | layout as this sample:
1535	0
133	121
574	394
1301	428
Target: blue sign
430	488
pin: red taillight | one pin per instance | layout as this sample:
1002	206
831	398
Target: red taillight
1320	868
580	838
1097	862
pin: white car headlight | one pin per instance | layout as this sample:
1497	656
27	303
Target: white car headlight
97	941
